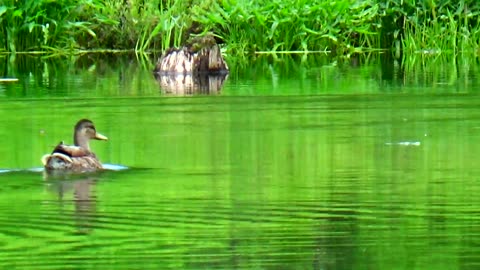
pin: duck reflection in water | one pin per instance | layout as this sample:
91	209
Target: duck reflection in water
81	193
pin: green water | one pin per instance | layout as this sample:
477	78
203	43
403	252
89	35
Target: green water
292	165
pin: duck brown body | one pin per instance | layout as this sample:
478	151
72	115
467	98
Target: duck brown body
77	157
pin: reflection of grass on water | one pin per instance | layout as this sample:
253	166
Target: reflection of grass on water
359	73
80	75
101	75
342	26
440	72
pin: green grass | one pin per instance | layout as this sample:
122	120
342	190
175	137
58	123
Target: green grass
341	27
448	27
276	26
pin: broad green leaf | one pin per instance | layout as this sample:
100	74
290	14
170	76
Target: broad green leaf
3	9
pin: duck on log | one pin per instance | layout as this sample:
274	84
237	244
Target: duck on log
201	55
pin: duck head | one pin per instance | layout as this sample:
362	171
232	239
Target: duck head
84	132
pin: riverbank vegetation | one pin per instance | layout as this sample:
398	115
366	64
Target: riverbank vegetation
341	27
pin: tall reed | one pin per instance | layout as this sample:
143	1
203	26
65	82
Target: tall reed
41	24
69	25
340	26
279	25
442	27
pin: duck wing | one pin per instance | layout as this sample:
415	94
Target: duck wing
72	151
70	157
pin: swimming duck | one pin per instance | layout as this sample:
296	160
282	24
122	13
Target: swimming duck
77	157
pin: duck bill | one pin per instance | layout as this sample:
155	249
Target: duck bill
99	136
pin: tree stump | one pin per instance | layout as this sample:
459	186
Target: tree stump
197	67
201	55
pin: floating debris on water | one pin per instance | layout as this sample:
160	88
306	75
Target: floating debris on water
403	143
114	167
8	80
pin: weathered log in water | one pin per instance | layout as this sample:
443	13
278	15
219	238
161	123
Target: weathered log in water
186	60
197	67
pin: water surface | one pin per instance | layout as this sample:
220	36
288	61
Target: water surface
294	164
